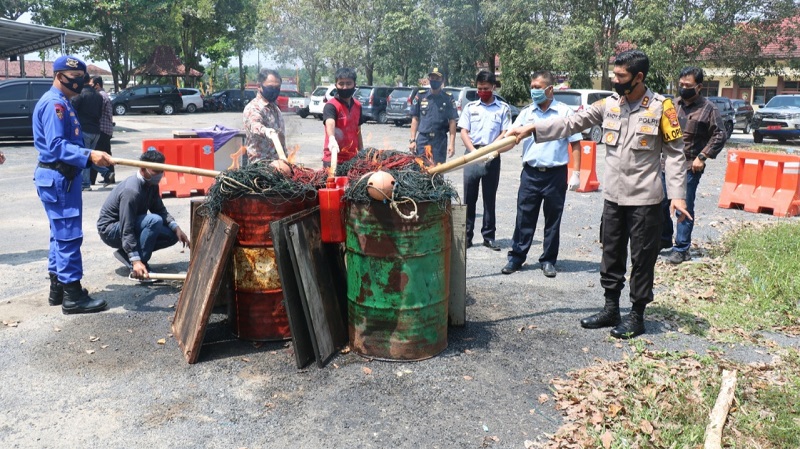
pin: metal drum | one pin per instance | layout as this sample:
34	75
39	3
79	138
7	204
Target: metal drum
257	312
398	281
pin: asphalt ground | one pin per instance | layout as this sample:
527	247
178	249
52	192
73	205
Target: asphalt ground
105	381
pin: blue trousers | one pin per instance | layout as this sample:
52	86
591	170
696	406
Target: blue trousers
536	189
151	232
62	201
683	236
486	176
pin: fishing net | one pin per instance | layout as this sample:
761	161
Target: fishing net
412	182
262	179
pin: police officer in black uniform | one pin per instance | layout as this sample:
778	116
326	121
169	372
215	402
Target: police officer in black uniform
433	114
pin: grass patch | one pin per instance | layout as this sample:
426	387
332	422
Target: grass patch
663	399
749	283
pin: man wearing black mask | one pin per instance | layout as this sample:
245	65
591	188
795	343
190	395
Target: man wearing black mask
262	119
704	137
639	127
434	114
342	120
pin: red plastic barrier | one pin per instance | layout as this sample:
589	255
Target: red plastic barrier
588	173
188	153
762	182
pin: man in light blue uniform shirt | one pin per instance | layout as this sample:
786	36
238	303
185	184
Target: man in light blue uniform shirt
62	157
543	179
482	122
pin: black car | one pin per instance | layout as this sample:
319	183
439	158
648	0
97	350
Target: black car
398	108
373	102
18	98
231	99
160	98
726	111
744	115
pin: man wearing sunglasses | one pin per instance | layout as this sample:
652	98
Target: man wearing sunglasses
134	221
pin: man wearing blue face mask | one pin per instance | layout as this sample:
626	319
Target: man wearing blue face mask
134	221
263	121
543	181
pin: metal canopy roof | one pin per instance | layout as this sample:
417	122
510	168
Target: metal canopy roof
21	38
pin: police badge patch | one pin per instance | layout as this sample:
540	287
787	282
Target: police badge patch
59	111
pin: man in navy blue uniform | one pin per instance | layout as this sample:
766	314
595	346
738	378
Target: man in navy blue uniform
482	122
433	114
62	156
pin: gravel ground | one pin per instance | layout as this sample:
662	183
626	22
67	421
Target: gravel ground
103	380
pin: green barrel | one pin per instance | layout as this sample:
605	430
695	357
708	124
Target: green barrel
398	280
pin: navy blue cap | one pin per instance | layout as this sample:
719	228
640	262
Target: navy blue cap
68	62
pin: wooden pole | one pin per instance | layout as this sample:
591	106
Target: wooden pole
163	276
498	147
719	413
167	167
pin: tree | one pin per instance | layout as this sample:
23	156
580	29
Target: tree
13	9
403	35
238	19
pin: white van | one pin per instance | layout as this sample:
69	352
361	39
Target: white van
318	98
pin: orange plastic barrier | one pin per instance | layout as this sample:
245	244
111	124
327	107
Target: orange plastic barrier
188	153
589	182
762	183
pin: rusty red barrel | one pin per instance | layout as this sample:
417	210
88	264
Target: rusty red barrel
398	281
257	312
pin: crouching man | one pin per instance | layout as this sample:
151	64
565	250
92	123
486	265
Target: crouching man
134	221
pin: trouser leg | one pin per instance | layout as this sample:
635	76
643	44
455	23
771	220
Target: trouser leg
489	190
529	201
555	194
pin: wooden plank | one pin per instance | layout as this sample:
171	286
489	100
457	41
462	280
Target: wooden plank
304	352
196	220
457	308
213	251
321	302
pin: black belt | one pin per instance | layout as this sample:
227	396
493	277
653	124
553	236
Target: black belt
66	170
546	168
433	134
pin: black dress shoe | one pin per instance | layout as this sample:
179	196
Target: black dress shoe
631	326
606	318
549	269
491	245
511	267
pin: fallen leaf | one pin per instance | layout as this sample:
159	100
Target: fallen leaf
336	366
90	351
467	351
467	377
614	409
543	398
606	439
585	349
57	329
532	411
245	359
92	338
103	346
162	341
366	370
646	427
130	331
597	418
345	350
531	326
399	374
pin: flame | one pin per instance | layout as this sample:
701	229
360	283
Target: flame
236	157
420	162
428	153
290	158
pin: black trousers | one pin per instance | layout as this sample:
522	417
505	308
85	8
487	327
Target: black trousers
539	188
104	145
487	176
438	144
641	225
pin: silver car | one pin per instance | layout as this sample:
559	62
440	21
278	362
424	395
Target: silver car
192	99
580	99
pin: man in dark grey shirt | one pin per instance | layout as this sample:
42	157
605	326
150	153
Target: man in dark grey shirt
134	220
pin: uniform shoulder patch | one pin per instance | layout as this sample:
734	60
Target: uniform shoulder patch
670	127
59	110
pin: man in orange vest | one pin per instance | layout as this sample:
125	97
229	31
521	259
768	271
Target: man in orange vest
342	119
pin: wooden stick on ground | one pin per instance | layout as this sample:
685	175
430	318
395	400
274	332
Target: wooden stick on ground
498	147
167	167
719	413
163	276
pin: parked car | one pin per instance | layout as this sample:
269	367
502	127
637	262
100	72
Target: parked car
159	98
778	119
398	105
579	99
319	97
463	95
295	101
726	111
18	97
744	115
192	99
373	102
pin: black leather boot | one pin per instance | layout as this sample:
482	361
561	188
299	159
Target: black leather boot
631	326
607	317
77	300
56	291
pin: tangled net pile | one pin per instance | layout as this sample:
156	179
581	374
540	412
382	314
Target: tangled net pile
411	181
264	180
